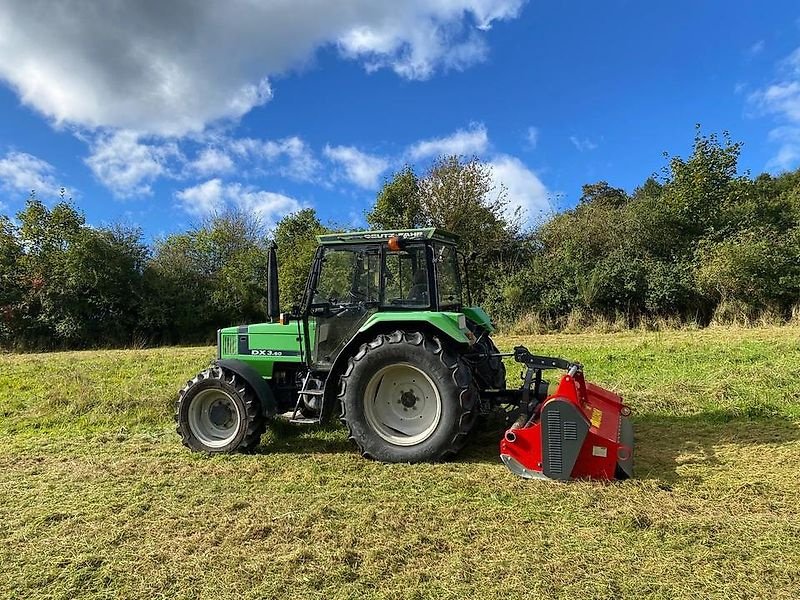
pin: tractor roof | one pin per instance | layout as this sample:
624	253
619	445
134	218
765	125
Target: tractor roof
366	237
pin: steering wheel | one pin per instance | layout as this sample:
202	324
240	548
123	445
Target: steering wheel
356	295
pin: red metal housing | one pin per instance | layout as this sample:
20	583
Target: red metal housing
580	431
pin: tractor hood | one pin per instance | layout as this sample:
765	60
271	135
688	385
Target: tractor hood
262	344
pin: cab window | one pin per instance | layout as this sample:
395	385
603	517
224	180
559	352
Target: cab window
447	276
406	278
348	276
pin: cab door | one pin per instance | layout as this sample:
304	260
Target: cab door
346	294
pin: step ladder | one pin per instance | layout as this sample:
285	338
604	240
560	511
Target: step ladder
296	416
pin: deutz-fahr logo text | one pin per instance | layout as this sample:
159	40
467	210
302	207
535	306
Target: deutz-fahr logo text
266	353
385	236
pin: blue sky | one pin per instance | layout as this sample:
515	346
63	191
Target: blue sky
157	116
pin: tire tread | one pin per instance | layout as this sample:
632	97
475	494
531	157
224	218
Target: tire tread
256	424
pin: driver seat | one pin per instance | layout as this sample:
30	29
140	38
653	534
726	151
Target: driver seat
419	287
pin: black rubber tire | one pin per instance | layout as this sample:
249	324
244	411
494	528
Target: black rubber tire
251	426
449	373
490	372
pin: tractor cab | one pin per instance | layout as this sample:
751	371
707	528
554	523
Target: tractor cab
355	275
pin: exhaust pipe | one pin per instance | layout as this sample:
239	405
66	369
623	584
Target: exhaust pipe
273	299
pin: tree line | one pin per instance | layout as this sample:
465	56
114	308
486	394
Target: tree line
698	242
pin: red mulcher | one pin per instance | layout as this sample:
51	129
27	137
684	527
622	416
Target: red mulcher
580	431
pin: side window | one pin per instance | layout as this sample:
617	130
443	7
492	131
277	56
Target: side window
447	275
335	278
366	285
406	278
348	277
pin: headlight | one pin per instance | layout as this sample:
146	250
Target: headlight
462	322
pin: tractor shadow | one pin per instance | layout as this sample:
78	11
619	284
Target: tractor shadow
286	438
667	447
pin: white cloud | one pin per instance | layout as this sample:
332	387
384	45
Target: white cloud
525	189
791	63
788	155
212	161
288	157
582	144
170	68
532	136
202	199
782	100
757	48
412	52
126	165
786	159
464	142
214	196
360	168
22	172
268	206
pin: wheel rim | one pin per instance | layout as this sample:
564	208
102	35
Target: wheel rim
214	418
402	404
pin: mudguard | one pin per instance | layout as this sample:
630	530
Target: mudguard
254	380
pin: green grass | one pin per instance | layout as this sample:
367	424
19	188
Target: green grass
98	499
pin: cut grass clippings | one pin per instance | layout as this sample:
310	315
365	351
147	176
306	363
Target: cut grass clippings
98	499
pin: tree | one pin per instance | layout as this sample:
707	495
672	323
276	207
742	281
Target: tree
602	193
211	276
460	196
295	236
11	288
398	203
81	285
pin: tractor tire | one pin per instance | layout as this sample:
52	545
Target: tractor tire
406	397
218	412
490	372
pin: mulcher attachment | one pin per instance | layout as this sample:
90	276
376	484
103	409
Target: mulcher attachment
580	431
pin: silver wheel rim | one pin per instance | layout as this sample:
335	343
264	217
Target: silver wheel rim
402	404
214	418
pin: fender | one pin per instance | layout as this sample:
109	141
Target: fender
254	380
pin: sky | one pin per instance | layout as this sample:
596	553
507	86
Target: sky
156	114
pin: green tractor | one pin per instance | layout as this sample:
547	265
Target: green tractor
383	339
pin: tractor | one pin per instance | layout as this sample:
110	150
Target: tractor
385	338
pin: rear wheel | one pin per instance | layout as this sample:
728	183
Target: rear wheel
402	404
490	372
406	397
218	412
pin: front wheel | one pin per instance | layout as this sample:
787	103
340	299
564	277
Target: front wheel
218	412
407	398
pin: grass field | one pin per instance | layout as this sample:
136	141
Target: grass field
98	498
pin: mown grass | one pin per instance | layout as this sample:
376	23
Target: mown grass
98	499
